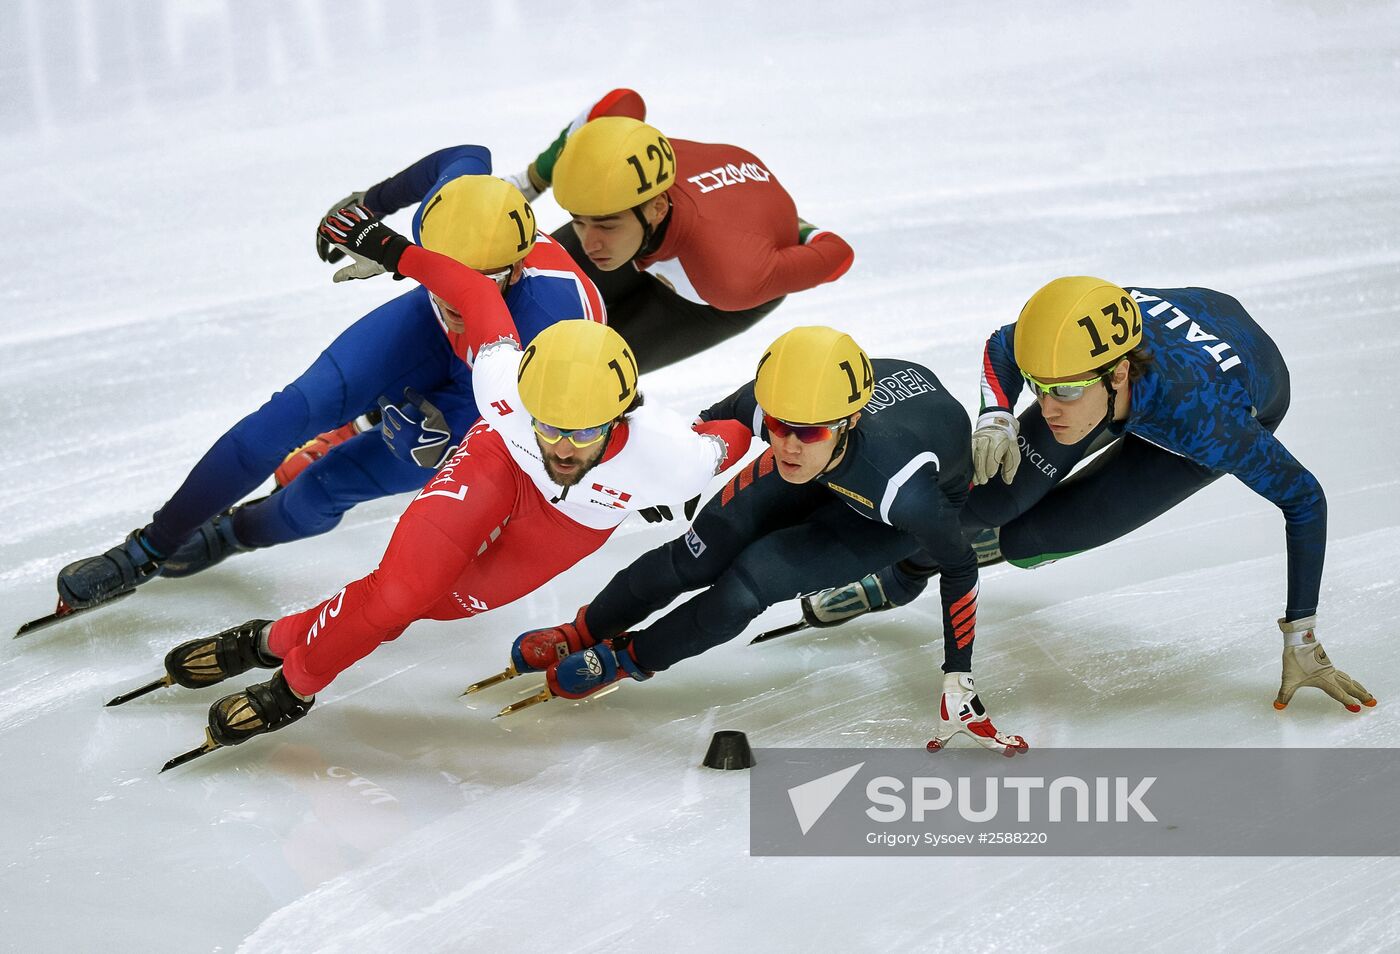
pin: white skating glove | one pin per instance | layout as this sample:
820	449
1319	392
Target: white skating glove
994	447
961	710
1305	663
525	182
362	268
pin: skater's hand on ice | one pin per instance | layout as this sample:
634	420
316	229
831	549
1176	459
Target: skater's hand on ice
1305	663
960	711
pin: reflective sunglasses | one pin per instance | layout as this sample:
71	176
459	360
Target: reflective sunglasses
579	436
1065	391
806	433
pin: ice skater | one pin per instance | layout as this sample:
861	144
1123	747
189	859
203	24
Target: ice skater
690	243
408	356
1181	386
563	453
850	481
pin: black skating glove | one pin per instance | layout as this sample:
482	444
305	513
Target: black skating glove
374	246
324	248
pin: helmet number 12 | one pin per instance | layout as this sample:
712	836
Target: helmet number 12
520	227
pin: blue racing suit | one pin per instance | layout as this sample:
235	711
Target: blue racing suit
1208	403
402	343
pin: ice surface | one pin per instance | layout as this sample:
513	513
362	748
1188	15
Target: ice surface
163	165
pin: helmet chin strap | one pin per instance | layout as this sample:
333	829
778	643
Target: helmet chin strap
1112	391
651	237
837	451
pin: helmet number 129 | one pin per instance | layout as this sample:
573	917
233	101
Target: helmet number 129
665	161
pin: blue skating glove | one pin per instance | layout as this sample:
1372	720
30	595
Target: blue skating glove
416	430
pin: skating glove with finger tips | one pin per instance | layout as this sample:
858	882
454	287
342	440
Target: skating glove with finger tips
416	430
961	710
1305	663
374	246
994	447
327	251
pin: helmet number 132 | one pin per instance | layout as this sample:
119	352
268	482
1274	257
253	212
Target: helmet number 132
1121	329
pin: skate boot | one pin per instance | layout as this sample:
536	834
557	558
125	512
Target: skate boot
212	659
835	606
888	587
212	543
987	546
97	579
261	708
320	445
539	649
584	673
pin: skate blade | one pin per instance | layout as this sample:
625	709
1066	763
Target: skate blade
500	677
544	695
64	611
140	691
780	631
208	746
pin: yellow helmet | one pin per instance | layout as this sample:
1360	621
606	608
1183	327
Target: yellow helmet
613	164
577	373
1074	326
812	375
481	221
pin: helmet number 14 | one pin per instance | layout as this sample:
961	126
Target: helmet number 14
867	375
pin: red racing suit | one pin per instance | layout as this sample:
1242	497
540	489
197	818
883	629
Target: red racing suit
731	240
492	527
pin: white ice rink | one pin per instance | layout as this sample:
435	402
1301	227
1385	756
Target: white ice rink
162	166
